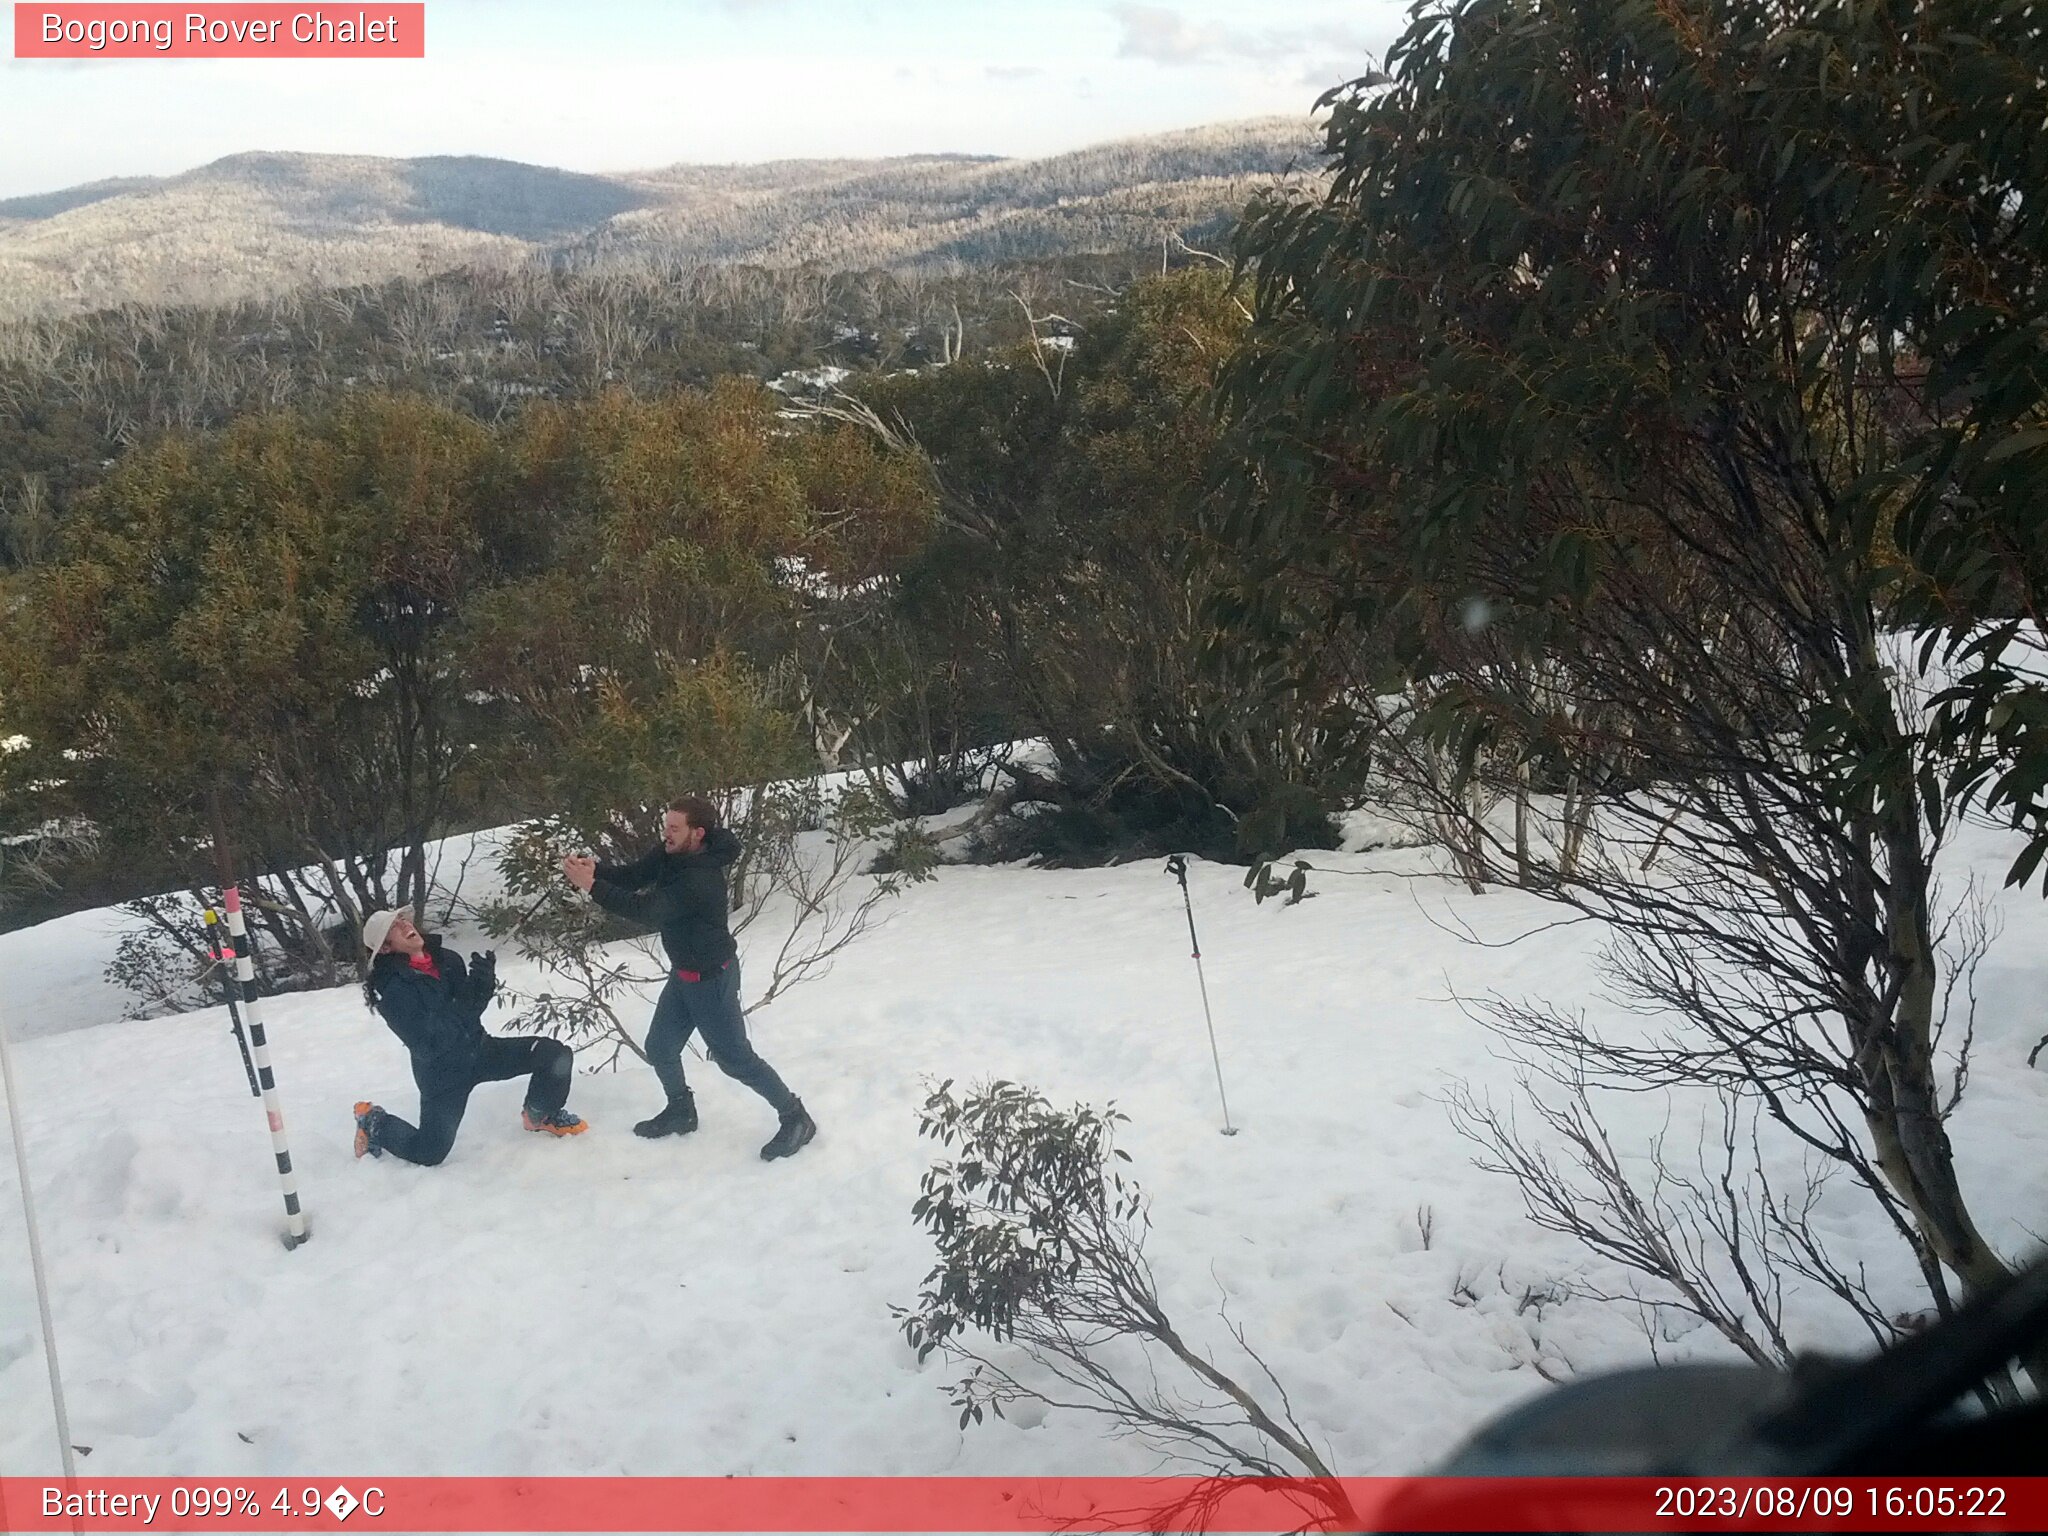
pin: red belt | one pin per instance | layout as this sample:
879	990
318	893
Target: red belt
683	975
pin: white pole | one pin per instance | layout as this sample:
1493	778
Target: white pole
1214	1055
1178	868
35	1260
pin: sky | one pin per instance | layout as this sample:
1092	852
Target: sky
614	85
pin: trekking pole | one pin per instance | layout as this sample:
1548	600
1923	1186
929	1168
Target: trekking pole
225	959
1178	868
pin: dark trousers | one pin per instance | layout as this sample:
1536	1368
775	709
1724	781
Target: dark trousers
548	1066
710	1008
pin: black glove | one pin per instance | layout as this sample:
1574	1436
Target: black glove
483	977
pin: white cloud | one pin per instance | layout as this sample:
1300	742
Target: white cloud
1165	36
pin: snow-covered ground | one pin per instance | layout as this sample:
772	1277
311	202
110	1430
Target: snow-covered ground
608	1305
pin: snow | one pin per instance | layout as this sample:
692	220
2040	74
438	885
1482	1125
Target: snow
799	574
817	380
607	1305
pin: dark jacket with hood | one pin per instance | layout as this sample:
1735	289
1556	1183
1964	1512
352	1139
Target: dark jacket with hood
440	1018
682	894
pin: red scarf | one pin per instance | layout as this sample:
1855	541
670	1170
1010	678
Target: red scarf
425	962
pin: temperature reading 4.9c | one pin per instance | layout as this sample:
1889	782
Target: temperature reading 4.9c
222	1500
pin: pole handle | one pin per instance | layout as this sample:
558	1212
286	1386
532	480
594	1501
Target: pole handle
1178	867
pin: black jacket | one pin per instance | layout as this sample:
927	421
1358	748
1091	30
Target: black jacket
439	1020
682	894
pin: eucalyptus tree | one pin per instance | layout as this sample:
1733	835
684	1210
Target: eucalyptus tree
1608	359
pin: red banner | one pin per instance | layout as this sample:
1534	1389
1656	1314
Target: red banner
973	1504
203	31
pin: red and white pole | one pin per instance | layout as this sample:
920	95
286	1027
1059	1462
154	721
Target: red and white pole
244	973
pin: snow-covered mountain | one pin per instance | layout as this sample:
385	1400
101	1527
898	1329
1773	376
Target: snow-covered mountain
254	224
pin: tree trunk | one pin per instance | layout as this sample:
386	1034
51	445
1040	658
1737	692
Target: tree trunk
1902	1095
1524	876
1913	1144
1577	803
223	857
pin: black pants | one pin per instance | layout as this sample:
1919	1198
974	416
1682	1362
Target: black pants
710	1008
445	1087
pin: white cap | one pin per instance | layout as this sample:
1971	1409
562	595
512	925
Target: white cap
378	925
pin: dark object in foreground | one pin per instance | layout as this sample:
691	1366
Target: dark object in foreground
1898	1414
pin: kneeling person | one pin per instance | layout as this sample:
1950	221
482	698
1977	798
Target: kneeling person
435	1005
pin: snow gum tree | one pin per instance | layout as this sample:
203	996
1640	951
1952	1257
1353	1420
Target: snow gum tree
261	619
1597	362
1043	1291
1073	565
681	545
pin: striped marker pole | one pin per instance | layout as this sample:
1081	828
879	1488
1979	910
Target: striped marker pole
223	957
237	945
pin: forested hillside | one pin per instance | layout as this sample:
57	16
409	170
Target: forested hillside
77	392
259	225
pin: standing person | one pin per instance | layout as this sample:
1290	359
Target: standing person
435	1004
680	889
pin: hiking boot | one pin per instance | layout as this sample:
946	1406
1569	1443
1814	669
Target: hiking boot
796	1130
556	1122
678	1119
369	1120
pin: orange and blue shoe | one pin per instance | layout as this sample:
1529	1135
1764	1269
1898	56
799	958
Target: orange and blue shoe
555	1123
369	1118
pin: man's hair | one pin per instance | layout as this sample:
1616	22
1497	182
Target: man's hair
697	811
